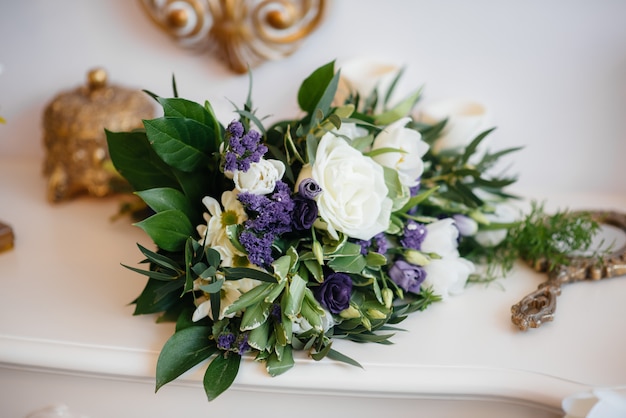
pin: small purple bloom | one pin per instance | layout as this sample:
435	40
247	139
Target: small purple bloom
225	341
242	343
304	213
243	149
334	293
407	276
309	188
414	234
276	313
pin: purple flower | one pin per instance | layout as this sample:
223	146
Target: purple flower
408	276
378	244
309	188
242	343
259	248
414	234
304	213
334	293
243	149
225	341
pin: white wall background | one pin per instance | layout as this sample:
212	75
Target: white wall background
553	72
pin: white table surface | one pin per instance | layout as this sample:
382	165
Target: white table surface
64	307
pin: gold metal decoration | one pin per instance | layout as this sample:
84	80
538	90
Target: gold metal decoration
539	306
6	237
244	33
77	158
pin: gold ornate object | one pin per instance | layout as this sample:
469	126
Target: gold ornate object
77	159
6	237
539	306
244	33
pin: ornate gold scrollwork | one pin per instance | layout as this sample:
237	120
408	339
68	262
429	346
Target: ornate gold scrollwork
244	33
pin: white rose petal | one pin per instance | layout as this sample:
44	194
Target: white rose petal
354	195
260	178
447	276
408	163
441	238
503	214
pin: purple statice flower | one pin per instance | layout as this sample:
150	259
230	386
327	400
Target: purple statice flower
225	340
269	214
242	343
309	189
379	244
259	248
334	292
407	276
414	234
243	149
304	213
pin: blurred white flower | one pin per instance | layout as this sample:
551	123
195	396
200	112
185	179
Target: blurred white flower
466	119
448	275
598	403
364	76
503	213
441	238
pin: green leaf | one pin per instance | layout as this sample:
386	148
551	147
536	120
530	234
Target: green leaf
164	198
258	338
315	89
236	273
251	297
349	264
417	199
214	287
337	356
183	108
159	259
295	295
221	374
182	143
255	315
400	110
182	351
471	148
133	157
157	275
169	229
276	366
149	301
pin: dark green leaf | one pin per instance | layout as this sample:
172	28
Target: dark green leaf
169	229
157	275
165	198
337	356
159	259
149	303
133	157
221	374
471	148
315	87
181	352
184	144
236	273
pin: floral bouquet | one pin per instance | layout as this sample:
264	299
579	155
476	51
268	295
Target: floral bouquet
338	224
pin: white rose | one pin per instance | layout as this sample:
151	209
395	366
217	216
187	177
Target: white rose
408	163
260	178
466	119
447	276
599	403
354	195
441	238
